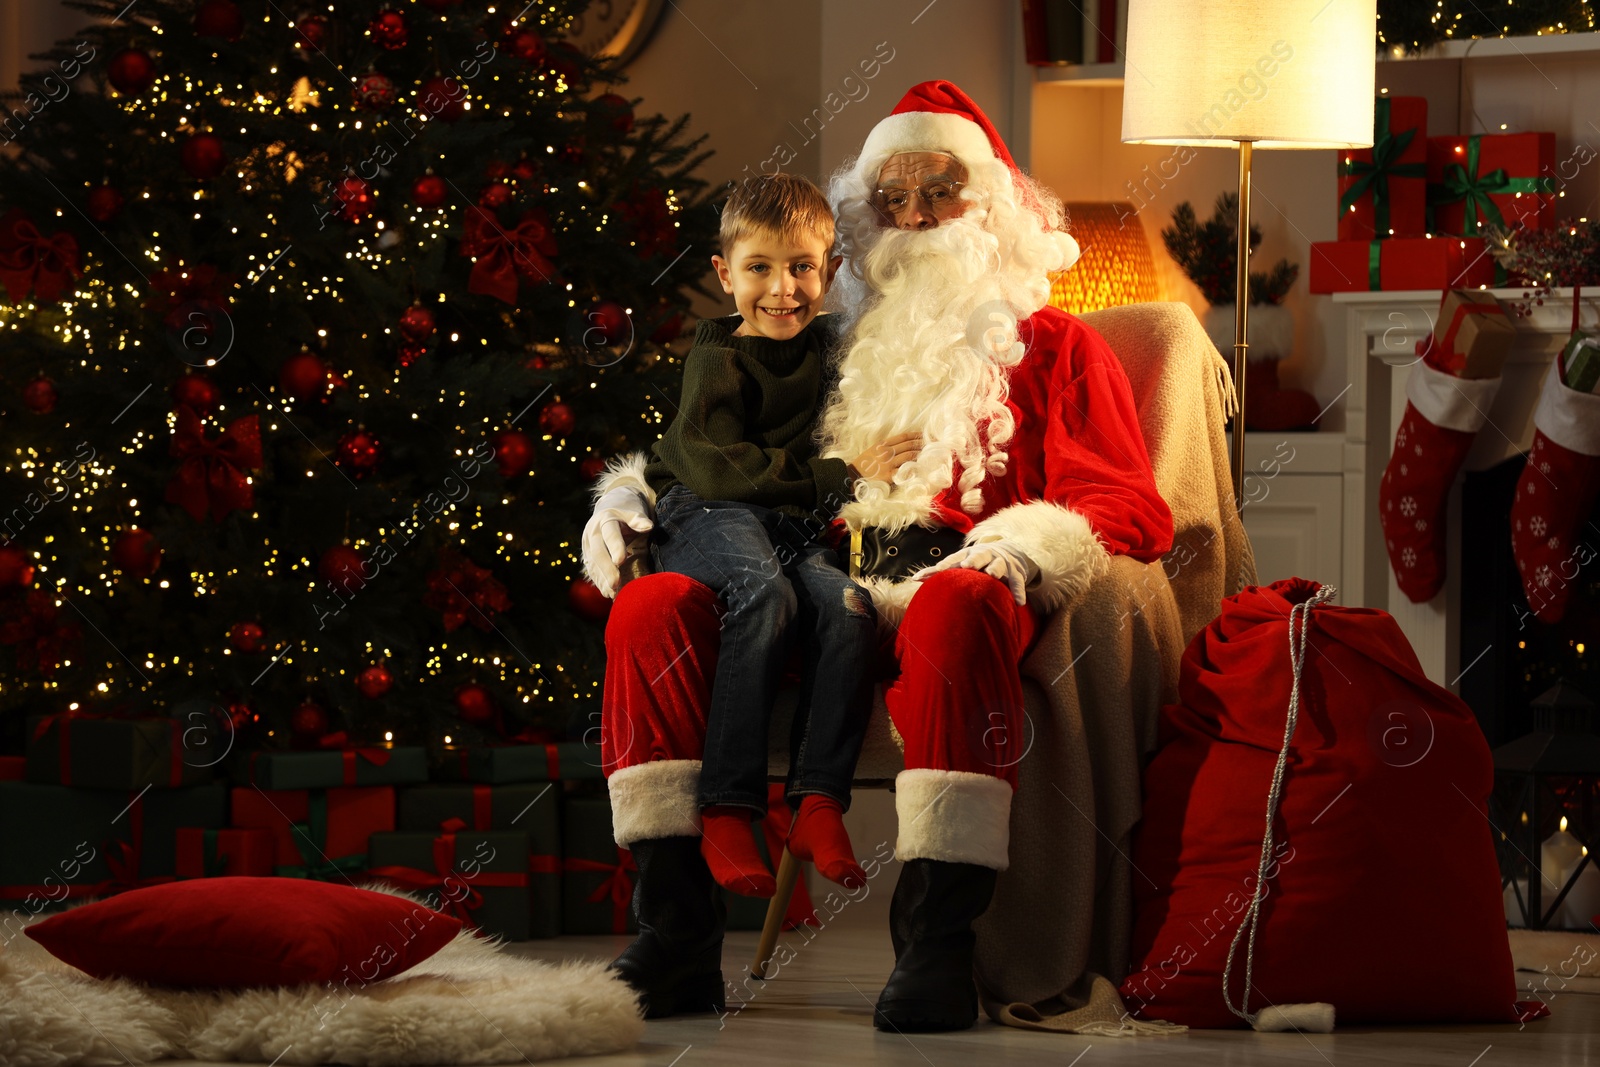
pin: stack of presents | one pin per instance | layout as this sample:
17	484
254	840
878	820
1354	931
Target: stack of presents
1415	211
513	839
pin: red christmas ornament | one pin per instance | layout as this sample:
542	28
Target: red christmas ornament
462	592
474	704
16	568
304	375
497	169
374	681
592	468
513	452
669	330
312	32
219	18
359	452
610	321
443	98
527	46
131	71
341	566
525	169
417	323
564	61
135	552
376	92
536	363
585	599
496	195
616	110
40	395
389	29
355	198
196	390
104	202
246	636
203	156
430	190
557	419
309	721
410	352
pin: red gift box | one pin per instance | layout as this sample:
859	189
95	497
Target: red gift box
1401	263
317	833
215	853
1383	190
1501	179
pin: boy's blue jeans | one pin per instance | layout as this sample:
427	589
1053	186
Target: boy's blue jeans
779	585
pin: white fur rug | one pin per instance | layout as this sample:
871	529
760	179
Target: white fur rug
470	1003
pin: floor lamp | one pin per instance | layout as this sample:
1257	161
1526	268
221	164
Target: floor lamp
1261	74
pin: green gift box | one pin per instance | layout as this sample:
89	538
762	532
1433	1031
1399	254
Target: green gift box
59	843
1580	363
596	874
499	764
107	753
480	877
375	765
531	809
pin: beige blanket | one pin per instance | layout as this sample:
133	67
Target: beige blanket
1054	943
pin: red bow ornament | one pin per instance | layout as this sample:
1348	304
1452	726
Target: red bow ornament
465	592
212	476
500	255
30	260
32	623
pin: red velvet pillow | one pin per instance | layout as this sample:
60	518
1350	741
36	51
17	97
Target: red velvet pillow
1384	896
228	932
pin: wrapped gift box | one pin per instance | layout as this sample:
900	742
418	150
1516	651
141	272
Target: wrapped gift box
1474	335
1501	179
60	842
532	809
317	833
215	853
106	753
501	764
376	765
1383	190
1401	263
596	874
480	877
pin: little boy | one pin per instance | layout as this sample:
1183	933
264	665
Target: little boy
742	499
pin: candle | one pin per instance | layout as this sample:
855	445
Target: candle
1558	858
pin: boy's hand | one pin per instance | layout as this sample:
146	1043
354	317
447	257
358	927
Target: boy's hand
611	534
879	462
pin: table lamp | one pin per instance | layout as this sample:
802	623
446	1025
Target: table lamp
1257	73
1114	267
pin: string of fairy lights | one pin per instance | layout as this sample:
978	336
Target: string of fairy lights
274	266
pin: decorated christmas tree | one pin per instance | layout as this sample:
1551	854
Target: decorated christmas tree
318	324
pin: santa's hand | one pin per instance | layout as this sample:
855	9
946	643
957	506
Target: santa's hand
1003	559
613	533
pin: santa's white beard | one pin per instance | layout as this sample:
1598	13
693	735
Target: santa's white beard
929	353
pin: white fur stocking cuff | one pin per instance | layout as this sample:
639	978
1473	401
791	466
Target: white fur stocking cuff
955	816
656	799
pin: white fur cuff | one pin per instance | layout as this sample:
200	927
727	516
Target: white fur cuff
656	799
1449	402
1567	417
955	816
1058	540
624	471
922	131
1315	1018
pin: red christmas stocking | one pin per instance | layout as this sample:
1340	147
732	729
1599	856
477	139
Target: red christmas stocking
1443	415
1555	496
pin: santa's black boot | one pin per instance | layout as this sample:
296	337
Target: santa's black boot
930	921
676	961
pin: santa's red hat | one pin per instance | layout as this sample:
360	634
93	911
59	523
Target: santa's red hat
936	116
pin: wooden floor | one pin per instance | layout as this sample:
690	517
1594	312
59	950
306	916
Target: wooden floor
819	1011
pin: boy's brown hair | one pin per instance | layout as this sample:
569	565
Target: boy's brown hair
786	204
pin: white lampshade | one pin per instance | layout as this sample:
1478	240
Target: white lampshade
1279	73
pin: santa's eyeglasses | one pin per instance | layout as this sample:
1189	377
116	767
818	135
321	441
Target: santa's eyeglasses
938	196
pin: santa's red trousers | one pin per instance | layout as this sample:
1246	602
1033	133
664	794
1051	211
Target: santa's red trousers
952	673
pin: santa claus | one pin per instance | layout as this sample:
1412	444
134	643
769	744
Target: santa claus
1032	461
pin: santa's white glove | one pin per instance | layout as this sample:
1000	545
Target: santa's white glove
1003	559
619	528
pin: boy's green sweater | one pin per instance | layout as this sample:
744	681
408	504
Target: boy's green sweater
744	425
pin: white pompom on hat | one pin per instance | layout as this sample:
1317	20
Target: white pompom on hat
936	116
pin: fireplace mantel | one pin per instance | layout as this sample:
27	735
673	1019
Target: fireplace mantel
1380	335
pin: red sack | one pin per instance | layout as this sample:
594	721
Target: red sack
1383	896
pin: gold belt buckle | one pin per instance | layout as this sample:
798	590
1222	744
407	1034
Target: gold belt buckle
856	554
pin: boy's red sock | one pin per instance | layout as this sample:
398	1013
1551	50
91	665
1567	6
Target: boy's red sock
818	835
728	844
